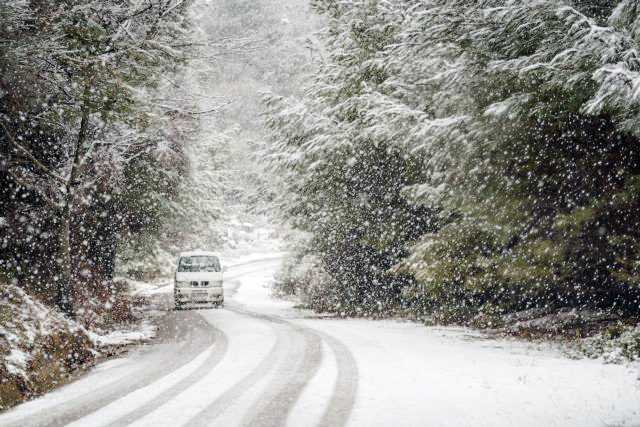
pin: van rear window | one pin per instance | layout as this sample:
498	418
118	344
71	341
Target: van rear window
199	264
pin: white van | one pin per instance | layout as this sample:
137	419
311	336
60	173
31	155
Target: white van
198	280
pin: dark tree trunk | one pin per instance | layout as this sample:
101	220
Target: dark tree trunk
66	293
66	287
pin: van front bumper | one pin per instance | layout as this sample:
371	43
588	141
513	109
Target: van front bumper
185	296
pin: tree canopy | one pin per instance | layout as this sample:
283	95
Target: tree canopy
495	140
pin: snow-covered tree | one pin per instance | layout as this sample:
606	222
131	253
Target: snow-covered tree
344	172
548	155
94	64
517	121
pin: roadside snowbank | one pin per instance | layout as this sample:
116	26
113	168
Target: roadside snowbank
41	349
615	345
124	336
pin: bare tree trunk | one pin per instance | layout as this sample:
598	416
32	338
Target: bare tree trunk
66	292
66	287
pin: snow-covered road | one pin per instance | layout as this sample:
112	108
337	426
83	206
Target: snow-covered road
261	362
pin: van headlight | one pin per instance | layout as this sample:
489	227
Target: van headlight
181	284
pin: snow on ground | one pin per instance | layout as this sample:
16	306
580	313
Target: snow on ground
412	375
23	322
247	337
141	396
138	333
385	372
17	362
233	261
445	377
138	287
258	296
103	375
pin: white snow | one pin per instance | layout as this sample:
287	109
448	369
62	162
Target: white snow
102	376
26	320
17	362
249	343
407	374
131	401
412	375
143	332
315	397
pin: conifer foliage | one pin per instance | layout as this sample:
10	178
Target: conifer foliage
463	157
85	155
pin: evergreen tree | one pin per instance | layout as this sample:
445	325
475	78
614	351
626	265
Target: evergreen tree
343	168
550	150
514	122
95	63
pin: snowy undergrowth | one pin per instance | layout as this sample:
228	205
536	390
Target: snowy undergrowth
615	345
593	334
304	278
40	349
604	335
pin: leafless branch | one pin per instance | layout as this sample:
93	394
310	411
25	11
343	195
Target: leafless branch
169	9
194	113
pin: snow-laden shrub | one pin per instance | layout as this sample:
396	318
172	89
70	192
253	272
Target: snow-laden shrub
304	277
39	347
105	305
616	344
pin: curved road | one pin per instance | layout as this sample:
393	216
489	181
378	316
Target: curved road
261	362
209	367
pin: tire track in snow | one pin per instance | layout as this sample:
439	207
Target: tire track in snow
277	354
294	344
195	335
295	358
282	396
220	349
343	397
282	393
344	392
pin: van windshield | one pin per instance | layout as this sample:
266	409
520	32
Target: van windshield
199	264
